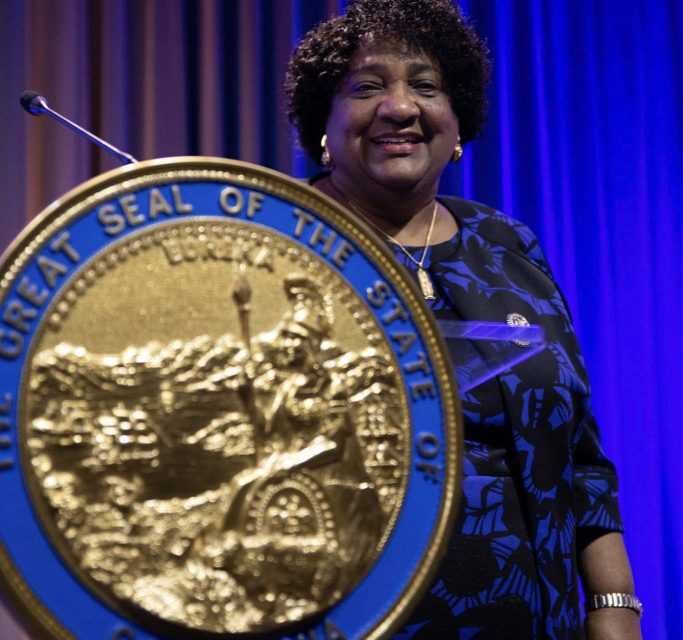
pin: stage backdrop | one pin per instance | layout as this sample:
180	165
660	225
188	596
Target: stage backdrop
584	143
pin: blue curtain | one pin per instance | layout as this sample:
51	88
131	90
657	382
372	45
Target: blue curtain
584	143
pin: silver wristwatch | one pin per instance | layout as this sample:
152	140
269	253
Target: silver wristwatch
607	600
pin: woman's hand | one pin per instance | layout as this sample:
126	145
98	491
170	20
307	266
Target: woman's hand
613	624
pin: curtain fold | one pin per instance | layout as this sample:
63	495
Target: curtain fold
584	143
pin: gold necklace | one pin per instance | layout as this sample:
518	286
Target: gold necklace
426	284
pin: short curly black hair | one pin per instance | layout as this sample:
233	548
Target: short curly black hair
435	27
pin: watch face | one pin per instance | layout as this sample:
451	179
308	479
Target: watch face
224	411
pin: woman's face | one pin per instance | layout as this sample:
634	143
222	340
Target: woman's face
391	124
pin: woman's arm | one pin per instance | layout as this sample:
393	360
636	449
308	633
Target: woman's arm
605	568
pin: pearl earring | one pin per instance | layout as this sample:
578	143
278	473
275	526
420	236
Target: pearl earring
458	151
325	159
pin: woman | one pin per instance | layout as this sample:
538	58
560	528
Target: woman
383	98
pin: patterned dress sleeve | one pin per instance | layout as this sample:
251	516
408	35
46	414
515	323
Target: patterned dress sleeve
595	485
595	479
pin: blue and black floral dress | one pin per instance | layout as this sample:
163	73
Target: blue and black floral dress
536	484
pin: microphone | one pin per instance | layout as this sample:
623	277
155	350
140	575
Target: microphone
36	105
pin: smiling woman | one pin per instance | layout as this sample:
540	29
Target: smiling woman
383	97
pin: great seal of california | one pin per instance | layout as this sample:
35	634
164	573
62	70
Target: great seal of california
224	411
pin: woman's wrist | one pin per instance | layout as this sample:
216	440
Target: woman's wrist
612	624
605	570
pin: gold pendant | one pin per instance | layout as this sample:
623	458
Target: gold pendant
425	284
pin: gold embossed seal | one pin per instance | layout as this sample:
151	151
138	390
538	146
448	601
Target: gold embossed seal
228	412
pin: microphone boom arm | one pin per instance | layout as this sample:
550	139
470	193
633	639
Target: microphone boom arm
36	105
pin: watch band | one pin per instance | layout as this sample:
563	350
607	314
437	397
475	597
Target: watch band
620	600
